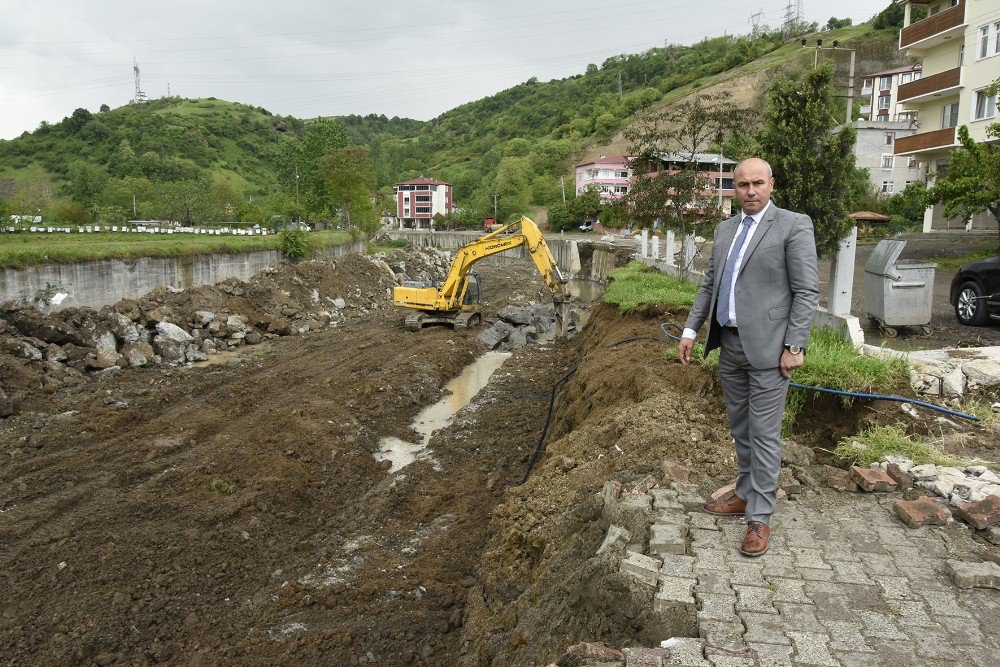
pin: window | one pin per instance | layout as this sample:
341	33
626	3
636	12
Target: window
961	54
909	183
887	161
985	106
911	163
885	83
426	198
949	115
621	189
423	209
905	78
883	102
886	186
934	10
889	136
989	40
423	187
917	75
623	173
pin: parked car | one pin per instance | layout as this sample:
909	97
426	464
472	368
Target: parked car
975	292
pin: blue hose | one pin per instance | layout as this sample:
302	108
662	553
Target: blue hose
853	394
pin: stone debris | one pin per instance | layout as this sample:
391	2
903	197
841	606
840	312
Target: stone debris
616	538
921	512
675	472
872	479
959	486
981	514
644	569
517	326
974	575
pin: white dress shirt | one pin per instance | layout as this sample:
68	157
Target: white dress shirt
754	220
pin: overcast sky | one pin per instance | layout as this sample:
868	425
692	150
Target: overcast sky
310	58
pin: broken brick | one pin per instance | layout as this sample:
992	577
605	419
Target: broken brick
920	512
982	514
597	651
724	491
788	483
645	485
612	491
872	479
675	472
904	482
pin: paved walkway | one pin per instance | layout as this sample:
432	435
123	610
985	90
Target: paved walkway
844	583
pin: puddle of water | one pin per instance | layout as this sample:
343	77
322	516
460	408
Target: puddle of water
459	392
586	290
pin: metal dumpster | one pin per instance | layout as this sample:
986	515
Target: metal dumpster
898	295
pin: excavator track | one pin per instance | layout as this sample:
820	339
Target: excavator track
414	321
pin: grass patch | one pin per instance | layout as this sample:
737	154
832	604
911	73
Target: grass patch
833	363
636	284
952	263
227	488
387	246
31	249
875	443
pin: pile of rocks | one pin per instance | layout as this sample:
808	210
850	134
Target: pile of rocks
517	326
957	485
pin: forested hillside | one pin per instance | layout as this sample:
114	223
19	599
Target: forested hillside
211	159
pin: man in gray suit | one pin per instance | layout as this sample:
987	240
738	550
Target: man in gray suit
759	295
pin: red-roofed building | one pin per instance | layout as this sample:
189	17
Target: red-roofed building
419	200
610	174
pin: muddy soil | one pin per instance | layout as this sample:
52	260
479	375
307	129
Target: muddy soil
233	512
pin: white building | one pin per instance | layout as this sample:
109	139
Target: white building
880	93
419	200
874	150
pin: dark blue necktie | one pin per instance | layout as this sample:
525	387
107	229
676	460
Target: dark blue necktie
729	272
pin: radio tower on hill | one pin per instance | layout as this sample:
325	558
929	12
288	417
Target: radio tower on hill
140	96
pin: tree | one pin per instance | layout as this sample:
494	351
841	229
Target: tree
908	204
971	182
835	23
86	181
812	161
105	108
350	179
300	165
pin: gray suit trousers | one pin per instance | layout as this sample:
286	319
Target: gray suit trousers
755	401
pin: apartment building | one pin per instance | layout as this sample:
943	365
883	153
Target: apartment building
715	170
880	93
874	150
958	43
610	174
419	200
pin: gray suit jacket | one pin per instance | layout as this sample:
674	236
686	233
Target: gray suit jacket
777	287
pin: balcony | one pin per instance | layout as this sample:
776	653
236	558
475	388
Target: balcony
866	109
925	141
935	85
935	29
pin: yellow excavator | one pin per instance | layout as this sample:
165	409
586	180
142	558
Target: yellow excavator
456	300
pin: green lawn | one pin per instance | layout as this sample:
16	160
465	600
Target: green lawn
23	249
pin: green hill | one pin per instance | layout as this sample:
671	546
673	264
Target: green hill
516	144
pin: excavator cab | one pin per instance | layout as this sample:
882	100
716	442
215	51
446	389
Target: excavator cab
471	297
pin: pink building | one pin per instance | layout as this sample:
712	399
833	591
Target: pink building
610	174
419	200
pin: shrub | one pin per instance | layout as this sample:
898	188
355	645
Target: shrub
294	244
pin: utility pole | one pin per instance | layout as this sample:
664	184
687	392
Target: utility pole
134	213
619	86
494	207
850	90
850	77
562	180
296	186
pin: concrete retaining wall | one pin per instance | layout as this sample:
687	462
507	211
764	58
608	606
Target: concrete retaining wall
97	284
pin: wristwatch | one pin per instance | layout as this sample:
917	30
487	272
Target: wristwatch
795	349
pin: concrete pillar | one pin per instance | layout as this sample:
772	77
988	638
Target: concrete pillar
644	243
654	250
841	284
687	252
668	251
574	265
928	214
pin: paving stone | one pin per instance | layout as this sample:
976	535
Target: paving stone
675	516
667	539
932	643
972	575
913	613
800	538
748	573
755	599
809	557
637	656
872	479
686	651
647	483
764	629
814	574
642	568
944	603
712	581
896	652
716	607
664	499
612	491
880	625
709	558
675	597
929	544
773	655
722	637
895	588
850	573
964	631
833	550
616	537
704	538
982	514
779	565
921	512
703	521
848	659
980	656
882	564
847	636
678	566
799	617
811	649
789	590
718	658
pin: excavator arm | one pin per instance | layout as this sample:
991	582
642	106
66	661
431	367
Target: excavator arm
450	295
